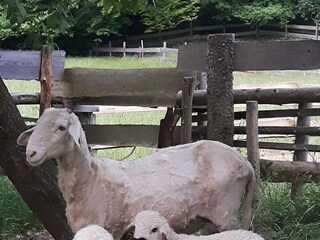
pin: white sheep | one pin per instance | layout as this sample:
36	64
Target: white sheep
192	185
150	225
92	232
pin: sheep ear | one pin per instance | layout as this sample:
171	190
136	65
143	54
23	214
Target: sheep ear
128	233
75	128
23	139
164	231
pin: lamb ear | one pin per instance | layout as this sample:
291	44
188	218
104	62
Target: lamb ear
164	231
23	139
128	233
75	128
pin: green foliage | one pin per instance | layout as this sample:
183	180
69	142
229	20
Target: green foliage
41	22
132	6
253	11
165	14
262	12
309	10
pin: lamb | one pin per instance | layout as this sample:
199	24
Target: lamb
150	225
92	232
194	185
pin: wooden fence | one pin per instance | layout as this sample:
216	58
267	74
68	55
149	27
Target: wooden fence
140	51
159	88
200	33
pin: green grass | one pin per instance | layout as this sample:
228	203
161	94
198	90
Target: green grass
118	63
277	217
15	216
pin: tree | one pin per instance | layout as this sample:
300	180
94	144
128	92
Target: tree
257	12
38	187
262	12
309	10
165	14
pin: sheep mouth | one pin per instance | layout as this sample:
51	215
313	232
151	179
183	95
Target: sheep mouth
36	163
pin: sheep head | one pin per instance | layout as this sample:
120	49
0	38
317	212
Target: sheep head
150	225
55	134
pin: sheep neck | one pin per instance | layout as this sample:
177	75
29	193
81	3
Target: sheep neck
73	172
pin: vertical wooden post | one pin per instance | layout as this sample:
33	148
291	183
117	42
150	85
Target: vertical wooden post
164	48
142	48
286	31
224	27
110	53
124	49
220	55
297	191
186	110
253	142
190	29
317	31
201	84
45	78
167	126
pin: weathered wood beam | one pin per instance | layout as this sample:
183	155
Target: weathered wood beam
289	171
263	96
26	64
135	87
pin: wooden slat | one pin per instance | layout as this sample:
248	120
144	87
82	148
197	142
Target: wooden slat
280	146
277	55
122	135
269	55
312	131
135	87
25	65
192	57
263	96
281	113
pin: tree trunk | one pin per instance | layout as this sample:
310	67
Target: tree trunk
220	54
37	186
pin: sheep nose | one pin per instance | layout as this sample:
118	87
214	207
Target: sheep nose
140	239
30	153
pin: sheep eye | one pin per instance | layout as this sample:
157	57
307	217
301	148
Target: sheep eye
62	128
154	230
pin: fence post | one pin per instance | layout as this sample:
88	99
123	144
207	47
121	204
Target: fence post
220	55
186	110
164	50
253	143
110	53
201	84
141	53
286	31
124	49
190	29
45	77
317	31
297	191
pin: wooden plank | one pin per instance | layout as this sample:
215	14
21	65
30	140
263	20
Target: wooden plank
122	135
288	171
311	131
281	113
301	27
263	96
25	65
269	55
302	35
277	55
192	57
135	50
280	146
135	87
